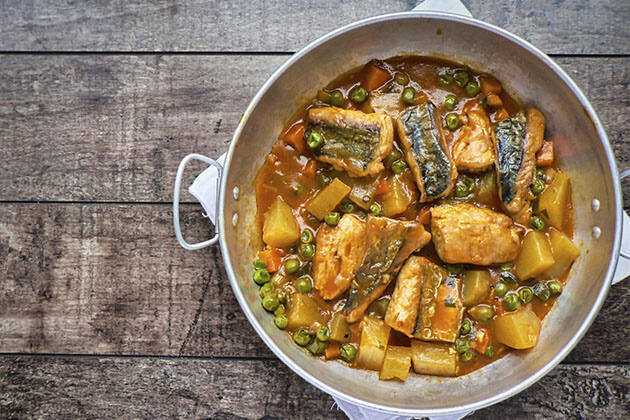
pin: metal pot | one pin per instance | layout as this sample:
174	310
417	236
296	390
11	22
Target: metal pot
582	149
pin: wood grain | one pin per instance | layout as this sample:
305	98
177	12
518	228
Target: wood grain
111	279
113	128
562	27
63	387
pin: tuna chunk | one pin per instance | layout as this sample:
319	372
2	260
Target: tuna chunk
353	141
390	242
464	233
339	253
426	302
473	150
420	131
387	103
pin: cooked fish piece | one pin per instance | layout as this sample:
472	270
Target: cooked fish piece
516	141
339	253
353	140
390	243
473	150
426	303
420	131
465	233
387	103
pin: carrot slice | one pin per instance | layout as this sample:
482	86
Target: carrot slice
295	137
333	351
273	258
382	188
375	76
544	157
489	84
310	169
481	341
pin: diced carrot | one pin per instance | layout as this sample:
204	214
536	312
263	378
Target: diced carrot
489	84
544	157
273	258
375	76
333	351
494	100
310	169
425	217
500	115
295	137
480	343
382	188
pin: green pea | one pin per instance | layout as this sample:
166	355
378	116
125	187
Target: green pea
506	266
508	277
336	98
317	347
270	302
323	179
280	310
261	276
346	206
465	186
306	251
466	356
332	218
461	78
445	78
450	101
555	288
455	268
461	345
525	294
541	291
409	96
452	121
489	351
302	337
500	289
375	209
323	333
537	187
265	289
358	95
540	174
392	157
303	285
282	296
401	78
314	139
260	263
536	222
399	166
362	215
281	321
348	352
465	328
510	301
472	88
291	266
307	236
483	313
461	191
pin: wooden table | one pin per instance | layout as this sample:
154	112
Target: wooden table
102	314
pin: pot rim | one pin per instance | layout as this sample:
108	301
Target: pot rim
504	394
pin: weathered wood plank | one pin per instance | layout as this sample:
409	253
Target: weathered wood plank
569	27
148	388
113	128
111	279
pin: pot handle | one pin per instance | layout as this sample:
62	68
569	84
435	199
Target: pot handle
447	6
178	181
623	264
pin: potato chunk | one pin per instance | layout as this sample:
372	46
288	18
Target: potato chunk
518	330
328	198
564	253
280	229
552	203
433	358
374	338
535	256
464	233
303	311
475	286
396	364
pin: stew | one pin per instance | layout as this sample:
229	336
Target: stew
413	217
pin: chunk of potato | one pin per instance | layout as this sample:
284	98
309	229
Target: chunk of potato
535	256
303	312
552	203
475	287
518	329
396	364
339	329
328	198
374	338
280	229
398	198
433	358
564	253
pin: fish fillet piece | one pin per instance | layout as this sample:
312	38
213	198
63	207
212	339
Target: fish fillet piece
473	151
